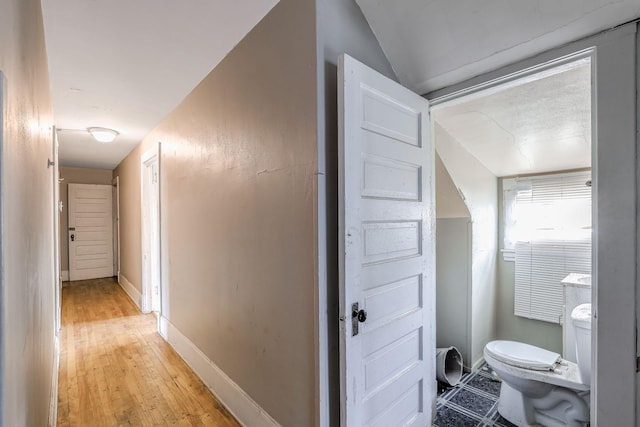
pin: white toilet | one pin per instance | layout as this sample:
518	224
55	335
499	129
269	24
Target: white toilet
538	386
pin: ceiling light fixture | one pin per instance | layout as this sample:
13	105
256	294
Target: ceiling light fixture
103	134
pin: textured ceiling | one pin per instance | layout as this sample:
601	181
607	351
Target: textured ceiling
126	64
432	44
537	126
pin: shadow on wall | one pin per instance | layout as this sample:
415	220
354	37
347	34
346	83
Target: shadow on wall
473	186
453	266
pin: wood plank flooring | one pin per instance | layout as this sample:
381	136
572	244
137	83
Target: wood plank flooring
115	370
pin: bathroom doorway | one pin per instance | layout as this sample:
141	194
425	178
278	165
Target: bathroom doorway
614	199
508	157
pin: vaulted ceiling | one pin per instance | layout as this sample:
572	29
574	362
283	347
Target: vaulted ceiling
126	64
432	44
541	126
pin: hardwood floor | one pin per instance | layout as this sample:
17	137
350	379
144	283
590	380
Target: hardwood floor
115	370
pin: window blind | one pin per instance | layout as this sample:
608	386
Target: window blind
553	238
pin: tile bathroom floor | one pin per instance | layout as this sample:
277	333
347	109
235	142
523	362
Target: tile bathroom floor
473	402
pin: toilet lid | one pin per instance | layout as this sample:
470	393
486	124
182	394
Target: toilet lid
522	355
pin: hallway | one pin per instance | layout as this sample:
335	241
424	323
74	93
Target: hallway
116	370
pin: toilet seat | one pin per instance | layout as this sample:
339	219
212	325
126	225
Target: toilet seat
565	374
523	355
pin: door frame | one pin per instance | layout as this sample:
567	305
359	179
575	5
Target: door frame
116	226
72	230
57	279
56	230
489	88
615	175
150	156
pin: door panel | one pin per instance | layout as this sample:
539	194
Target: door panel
386	251
90	231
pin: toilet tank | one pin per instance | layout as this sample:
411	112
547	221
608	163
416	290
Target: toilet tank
581	323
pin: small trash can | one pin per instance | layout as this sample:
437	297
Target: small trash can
448	365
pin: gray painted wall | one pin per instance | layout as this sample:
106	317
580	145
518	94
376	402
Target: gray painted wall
615	171
637	379
27	304
453	285
453	266
341	28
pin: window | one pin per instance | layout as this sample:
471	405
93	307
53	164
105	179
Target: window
548	231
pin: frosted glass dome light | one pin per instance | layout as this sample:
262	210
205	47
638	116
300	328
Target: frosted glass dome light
103	134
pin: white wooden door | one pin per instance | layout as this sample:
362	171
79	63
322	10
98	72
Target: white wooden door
90	231
151	231
387	261
115	206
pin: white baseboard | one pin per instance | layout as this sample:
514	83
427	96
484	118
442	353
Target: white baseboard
163	326
130	290
236	400
477	364
53	402
64	275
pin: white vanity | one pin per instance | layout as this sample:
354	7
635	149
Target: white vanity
576	291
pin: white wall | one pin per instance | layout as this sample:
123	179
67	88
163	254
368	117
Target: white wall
479	189
27	305
449	203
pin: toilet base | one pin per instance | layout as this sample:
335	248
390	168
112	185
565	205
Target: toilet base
512	408
559	408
